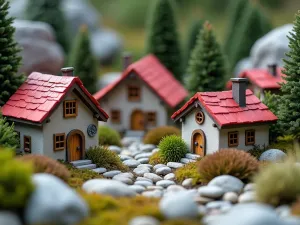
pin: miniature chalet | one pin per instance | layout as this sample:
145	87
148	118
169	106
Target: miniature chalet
55	116
227	119
143	97
261	80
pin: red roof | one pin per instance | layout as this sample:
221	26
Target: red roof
262	78
225	111
40	94
156	76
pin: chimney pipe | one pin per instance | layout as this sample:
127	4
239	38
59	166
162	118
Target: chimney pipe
127	60
272	68
67	71
239	86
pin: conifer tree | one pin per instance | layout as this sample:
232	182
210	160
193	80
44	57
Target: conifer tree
83	60
49	11
9	56
8	137
162	37
207	70
289	110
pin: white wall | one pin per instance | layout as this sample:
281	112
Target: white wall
117	100
36	135
59	124
211	133
261	136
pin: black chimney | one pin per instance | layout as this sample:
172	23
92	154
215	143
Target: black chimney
272	68
239	86
127	60
67	71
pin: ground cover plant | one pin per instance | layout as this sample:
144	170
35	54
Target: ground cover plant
189	170
108	136
155	135
172	148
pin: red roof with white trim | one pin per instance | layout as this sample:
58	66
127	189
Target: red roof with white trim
262	78
225	111
40	94
156	76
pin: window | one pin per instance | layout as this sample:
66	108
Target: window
115	116
199	117
27	144
59	142
233	139
250	137
19	138
70	108
151	118
134	93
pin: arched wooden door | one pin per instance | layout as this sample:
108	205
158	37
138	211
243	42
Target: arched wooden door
137	120
75	145
198	142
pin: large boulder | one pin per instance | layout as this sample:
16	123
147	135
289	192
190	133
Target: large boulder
40	51
273	155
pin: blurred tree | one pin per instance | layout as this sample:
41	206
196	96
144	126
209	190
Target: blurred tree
253	25
83	61
8	137
162	37
50	11
207	70
289	110
9	56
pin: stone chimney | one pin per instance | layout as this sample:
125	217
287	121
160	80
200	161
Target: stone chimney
127	60
67	71
272	68
239	86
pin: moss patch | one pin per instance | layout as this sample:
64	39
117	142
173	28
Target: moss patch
155	135
189	170
156	159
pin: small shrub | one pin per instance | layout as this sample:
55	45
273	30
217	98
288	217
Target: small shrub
156	159
285	144
15	181
172	148
44	164
228	162
106	158
155	135
278	183
189	170
108	136
295	209
8	137
257	150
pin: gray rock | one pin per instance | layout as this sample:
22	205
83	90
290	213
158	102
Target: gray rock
227	183
132	163
192	156
283	210
140	171
137	188
115	149
163	170
151	188
179	205
127	175
126	141
144	220
143	183
170	176
187	183
175	165
218	205
100	170
147	148
155	150
123	179
165	183
175	188
108	187
203	200
144	179
153	194
112	173
272	155
146	165
9	218
248	196
249	187
157	166
124	157
153	177
186	161
211	191
53	202
143	155
231	197
143	160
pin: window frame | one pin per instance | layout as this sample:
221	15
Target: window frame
65	108
55	142
154	116
246	137
237	139
27	142
200	122
138	91
116	120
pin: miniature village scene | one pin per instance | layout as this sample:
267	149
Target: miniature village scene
150	112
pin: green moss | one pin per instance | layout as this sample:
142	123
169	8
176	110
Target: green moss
106	158
155	135
156	159
108	136
172	148
189	170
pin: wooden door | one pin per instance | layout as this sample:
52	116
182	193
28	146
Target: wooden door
75	147
137	120
198	144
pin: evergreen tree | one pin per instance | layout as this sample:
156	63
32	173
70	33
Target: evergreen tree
162	37
206	69
9	57
289	110
8	137
252	26
84	62
50	11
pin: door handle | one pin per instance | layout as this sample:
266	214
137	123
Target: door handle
78	148
201	146
196	143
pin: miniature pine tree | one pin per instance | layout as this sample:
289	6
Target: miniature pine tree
162	37
206	68
289	110
9	57
8	137
50	11
83	60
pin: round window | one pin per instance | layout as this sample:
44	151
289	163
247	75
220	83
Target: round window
199	117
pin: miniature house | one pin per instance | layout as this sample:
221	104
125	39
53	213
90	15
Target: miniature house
261	80
228	119
143	97
55	116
